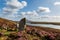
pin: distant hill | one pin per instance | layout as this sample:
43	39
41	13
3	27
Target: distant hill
35	22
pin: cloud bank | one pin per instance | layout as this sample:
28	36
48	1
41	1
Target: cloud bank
43	9
57	3
13	6
35	13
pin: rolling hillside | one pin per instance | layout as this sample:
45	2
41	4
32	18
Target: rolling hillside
29	32
7	22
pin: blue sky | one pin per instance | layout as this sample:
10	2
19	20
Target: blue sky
35	10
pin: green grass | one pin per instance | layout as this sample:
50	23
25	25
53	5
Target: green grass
7	32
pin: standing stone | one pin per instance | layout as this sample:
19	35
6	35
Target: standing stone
22	23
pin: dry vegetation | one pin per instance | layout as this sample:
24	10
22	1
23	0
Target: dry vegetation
9	31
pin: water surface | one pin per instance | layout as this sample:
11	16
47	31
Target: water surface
45	25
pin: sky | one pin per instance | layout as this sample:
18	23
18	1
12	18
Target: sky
34	10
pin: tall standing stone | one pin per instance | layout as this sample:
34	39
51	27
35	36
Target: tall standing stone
22	23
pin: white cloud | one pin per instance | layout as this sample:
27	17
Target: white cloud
57	3
13	6
23	13
35	13
30	13
16	4
43	9
24	3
